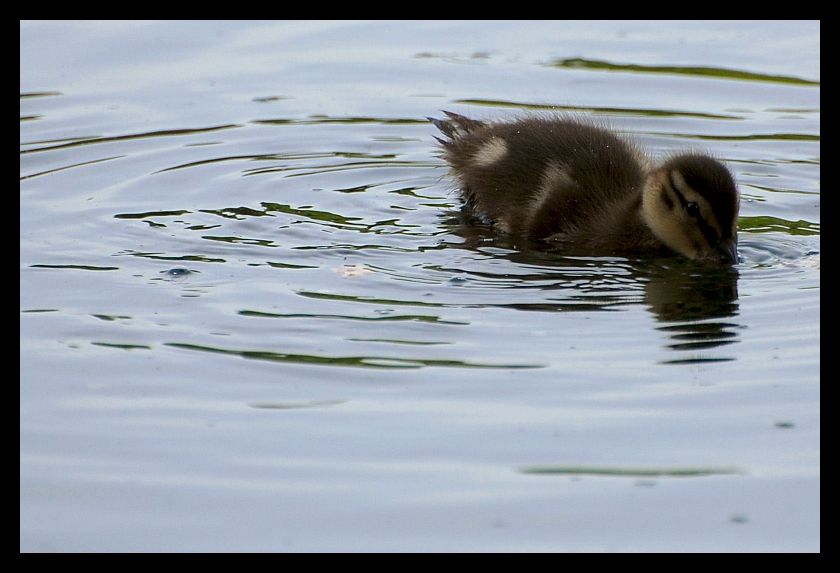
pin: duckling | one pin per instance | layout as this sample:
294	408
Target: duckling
568	181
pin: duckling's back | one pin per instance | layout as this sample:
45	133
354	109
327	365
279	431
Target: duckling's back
549	177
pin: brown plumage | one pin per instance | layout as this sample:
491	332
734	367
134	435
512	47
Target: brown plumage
568	181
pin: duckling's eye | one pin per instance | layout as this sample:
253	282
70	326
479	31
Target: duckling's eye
693	209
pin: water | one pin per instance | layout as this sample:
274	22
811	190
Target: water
253	320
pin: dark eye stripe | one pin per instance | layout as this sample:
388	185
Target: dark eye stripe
673	185
708	232
667	200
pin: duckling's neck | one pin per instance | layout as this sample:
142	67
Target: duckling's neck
623	224
649	197
632	230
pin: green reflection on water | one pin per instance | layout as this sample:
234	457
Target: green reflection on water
290	266
385	318
150	214
368	299
39	94
306	171
767	224
750	137
351	361
110	317
395	341
237	213
695	360
325	119
629	471
596	110
123	346
76	267
71	166
162	257
311	214
101	139
240	240
720	73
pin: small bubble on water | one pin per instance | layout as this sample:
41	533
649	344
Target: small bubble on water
177	272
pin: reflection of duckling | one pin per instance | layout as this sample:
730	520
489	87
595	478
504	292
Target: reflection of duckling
567	181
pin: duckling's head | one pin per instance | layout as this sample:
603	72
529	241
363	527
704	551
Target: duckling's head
691	204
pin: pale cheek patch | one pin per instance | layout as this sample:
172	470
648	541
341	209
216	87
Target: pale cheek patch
490	152
664	223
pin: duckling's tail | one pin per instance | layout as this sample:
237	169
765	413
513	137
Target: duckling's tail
456	127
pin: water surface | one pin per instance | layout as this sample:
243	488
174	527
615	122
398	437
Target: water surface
253	318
